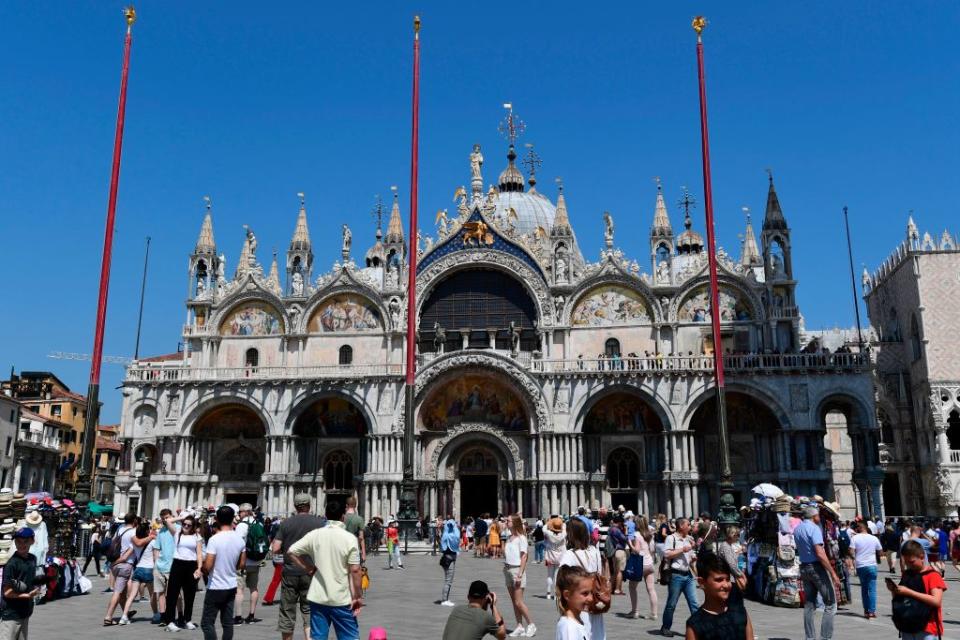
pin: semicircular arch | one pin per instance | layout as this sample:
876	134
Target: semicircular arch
757	393
590	401
629	301
348	411
253	313
354	300
848	402
200	407
450	449
742	305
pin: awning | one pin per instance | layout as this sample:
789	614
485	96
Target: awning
98	509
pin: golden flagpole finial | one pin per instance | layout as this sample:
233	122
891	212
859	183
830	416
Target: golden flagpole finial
699	24
416	24
130	14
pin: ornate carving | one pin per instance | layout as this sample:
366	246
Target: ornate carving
562	402
489	432
615	276
510	369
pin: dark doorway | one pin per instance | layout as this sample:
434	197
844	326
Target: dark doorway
628	500
478	494
892	506
240	498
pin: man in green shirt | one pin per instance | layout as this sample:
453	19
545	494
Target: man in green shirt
475	620
354	524
18	591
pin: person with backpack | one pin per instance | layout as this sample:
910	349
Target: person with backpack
123	554
257	547
918	599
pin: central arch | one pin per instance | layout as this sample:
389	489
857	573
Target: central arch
476	466
328	432
233	436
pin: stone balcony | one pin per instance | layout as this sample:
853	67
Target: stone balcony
754	364
180	373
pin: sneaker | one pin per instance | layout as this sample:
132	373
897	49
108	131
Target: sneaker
237	620
516	633
124	620
550	596
190	626
268	604
447	603
172	627
108	590
531	630
251	619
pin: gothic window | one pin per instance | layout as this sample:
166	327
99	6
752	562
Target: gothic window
346	354
611	347
915	343
623	470
953	430
893	326
252	359
663	253
338	472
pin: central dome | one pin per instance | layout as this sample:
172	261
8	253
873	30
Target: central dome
533	210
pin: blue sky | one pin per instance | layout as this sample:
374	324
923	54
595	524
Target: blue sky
848	103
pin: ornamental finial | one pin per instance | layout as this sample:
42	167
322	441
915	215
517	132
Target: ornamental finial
130	14
699	24
416	25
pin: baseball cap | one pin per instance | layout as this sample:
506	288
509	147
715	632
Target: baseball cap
302	498
24	532
478	589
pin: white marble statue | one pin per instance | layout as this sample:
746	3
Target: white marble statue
663	272
561	270
476	161
296	284
608	228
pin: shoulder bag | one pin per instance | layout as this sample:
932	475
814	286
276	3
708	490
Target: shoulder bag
664	573
601	591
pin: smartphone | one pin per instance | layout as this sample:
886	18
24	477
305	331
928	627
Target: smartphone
889	581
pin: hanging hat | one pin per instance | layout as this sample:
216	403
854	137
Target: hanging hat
34	518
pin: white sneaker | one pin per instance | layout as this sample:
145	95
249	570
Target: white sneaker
531	630
172	627
516	633
190	626
447	603
550	596
124	620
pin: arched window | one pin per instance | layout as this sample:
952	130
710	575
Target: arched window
953	430
663	253
346	354
611	347
623	470
915	343
252	359
338	472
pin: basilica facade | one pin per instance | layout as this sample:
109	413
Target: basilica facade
545	379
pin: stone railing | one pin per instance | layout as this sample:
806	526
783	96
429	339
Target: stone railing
954	455
750	363
146	373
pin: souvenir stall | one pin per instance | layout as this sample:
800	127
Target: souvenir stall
773	569
57	536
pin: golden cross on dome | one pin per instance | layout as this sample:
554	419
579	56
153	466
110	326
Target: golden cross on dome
512	127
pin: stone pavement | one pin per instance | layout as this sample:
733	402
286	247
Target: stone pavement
402	601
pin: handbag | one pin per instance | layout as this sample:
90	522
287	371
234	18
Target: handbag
664	573
634	569
447	559
601	591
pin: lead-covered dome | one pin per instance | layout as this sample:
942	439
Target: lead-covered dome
526	210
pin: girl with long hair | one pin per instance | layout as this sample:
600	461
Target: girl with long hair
581	553
449	547
515	558
184	572
642	545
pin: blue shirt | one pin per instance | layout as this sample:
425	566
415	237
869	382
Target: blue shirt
807	535
631	529
166	545
923	542
587	522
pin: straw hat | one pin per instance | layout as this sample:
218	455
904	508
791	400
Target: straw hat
555	524
782	504
34	518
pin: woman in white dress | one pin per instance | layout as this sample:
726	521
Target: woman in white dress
515	558
580	553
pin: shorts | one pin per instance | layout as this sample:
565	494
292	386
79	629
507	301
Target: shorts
933	556
121	575
14	628
143	575
510	577
252	577
620	559
482	540
293	591
160	581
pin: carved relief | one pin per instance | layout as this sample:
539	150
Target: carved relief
478	428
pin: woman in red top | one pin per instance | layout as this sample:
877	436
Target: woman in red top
393	545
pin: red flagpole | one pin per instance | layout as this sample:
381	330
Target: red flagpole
407	511
725	474
93	391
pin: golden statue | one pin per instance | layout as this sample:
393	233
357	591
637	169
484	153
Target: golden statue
699	24
130	14
478	232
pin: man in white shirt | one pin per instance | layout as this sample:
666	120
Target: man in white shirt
865	549
226	552
679	550
251	571
331	557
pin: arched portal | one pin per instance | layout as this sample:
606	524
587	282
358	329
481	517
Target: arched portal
756	448
473	396
476	309
478	476
330	429
623	443
233	439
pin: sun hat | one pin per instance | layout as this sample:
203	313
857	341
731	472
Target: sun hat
34	518
555	524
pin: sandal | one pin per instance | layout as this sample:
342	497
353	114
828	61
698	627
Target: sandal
109	622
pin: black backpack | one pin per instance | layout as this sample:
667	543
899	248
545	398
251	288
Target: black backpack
911	615
115	550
